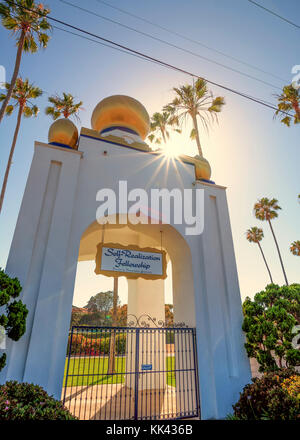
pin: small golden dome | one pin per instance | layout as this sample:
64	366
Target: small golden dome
63	132
202	168
121	111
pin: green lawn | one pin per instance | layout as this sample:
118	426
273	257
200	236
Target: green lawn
92	371
170	361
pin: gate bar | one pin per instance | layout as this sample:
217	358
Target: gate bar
136	390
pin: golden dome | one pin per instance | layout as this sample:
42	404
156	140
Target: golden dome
121	111
202	168
63	132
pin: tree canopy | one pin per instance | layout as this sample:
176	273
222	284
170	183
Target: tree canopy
13	318
101	302
269	322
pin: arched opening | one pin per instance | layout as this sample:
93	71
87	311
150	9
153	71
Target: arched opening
153	363
160	236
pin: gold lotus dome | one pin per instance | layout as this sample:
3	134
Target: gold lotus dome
123	112
202	168
63	133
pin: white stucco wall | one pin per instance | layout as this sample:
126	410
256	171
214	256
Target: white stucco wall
59	203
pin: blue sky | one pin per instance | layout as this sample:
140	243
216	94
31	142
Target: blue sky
249	152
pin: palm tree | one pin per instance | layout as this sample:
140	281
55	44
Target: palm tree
197	102
160	123
289	100
265	209
63	106
255	235
22	94
295	248
28	23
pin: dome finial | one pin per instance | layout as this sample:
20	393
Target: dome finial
63	133
123	112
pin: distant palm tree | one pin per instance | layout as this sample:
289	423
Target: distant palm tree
255	235
196	102
160	125
289	100
295	248
63	106
23	93
28	23
265	209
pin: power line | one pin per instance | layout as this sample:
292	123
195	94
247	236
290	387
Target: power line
102	44
128	53
155	60
88	11
184	37
274	13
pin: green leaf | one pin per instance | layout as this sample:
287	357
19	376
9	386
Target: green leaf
9	109
286	121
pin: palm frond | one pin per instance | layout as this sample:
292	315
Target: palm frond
63	106
23	93
9	110
195	102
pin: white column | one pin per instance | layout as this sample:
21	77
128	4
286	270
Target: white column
43	254
223	364
146	297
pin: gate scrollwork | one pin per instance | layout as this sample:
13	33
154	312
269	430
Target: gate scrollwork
146	320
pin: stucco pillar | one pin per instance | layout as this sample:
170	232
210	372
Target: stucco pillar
224	368
146	297
38	257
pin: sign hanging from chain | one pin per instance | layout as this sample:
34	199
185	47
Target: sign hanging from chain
115	260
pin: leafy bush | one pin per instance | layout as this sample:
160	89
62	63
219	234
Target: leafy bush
268	323
13	320
24	401
274	396
292	386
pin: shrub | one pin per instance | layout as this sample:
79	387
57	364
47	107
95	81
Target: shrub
271	397
292	386
269	321
13	320
91	346
24	401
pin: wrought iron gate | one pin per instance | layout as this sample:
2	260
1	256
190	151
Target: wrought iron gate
117	373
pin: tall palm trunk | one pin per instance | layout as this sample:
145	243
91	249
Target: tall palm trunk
112	352
281	262
15	75
263	255
9	162
195	123
296	108
163	134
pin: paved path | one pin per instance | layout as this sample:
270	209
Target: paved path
116	402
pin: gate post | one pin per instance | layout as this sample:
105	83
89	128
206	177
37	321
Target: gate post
195	354
136	374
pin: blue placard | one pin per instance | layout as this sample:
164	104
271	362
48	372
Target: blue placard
147	367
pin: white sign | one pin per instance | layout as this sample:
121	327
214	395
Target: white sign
130	261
